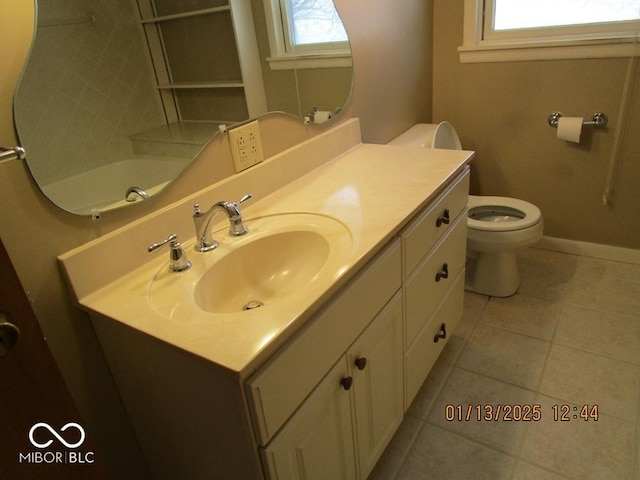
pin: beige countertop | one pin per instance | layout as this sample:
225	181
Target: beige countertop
372	189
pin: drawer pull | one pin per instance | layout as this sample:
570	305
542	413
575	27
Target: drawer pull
361	363
442	334
444	218
346	382
444	273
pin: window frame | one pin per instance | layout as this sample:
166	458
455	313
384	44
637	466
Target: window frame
553	43
319	55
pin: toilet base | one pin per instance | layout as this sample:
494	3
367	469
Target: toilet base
493	274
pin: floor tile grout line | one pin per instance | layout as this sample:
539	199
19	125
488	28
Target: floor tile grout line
597	354
593	256
423	421
553	340
473	440
534	337
455	365
522	440
496	379
516	457
409	448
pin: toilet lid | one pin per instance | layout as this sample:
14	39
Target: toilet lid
501	214
430	135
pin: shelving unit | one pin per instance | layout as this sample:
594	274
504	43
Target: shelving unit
205	57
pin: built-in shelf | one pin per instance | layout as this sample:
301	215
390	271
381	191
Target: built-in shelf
206	62
222	84
192	133
193	13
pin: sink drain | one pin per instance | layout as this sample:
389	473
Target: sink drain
252	304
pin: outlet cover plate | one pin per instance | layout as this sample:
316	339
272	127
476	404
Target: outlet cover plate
246	146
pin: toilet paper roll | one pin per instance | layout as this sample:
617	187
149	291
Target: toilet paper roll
322	116
570	128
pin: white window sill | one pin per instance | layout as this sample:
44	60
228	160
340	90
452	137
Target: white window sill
292	62
485	52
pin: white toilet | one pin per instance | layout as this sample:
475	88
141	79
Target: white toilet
496	226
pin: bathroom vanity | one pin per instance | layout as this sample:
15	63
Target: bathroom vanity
315	382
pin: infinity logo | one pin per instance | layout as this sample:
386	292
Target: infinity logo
55	434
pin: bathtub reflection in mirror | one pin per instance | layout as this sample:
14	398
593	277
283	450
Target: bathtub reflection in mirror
115	95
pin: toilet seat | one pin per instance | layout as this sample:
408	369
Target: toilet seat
510	214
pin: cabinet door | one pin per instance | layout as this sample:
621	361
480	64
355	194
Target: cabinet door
376	362
317	441
273	396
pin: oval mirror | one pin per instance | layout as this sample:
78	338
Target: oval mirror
118	97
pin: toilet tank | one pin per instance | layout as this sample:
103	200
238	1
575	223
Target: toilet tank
430	135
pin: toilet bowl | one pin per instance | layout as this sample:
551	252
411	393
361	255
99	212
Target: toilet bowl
496	226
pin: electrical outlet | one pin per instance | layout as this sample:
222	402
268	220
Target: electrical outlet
246	145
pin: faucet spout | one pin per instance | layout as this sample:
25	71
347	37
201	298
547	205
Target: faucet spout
134	192
204	222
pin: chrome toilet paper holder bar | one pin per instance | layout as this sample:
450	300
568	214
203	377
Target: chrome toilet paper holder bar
598	120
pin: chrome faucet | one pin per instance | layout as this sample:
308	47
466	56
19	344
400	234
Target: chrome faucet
204	222
134	192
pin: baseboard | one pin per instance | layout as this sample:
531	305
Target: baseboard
586	249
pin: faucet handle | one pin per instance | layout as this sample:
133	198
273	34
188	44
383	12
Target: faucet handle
238	227
178	258
245	197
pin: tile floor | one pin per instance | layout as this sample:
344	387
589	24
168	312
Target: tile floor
570	336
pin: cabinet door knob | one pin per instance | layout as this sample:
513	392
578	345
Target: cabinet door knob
361	362
444	273
346	382
442	334
444	218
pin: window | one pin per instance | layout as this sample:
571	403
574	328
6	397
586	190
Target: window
306	33
503	30
514	14
315	22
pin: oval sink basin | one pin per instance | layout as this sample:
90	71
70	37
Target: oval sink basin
284	257
270	267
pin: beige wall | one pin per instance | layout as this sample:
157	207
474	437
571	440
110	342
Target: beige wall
391	44
501	109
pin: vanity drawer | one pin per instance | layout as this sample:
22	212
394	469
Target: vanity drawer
424	231
280	386
427	286
423	353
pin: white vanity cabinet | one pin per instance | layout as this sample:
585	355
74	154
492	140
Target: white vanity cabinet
342	424
434	253
329	402
284	391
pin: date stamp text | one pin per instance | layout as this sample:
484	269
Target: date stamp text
518	413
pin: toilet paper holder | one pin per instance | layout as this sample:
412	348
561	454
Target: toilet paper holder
598	120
